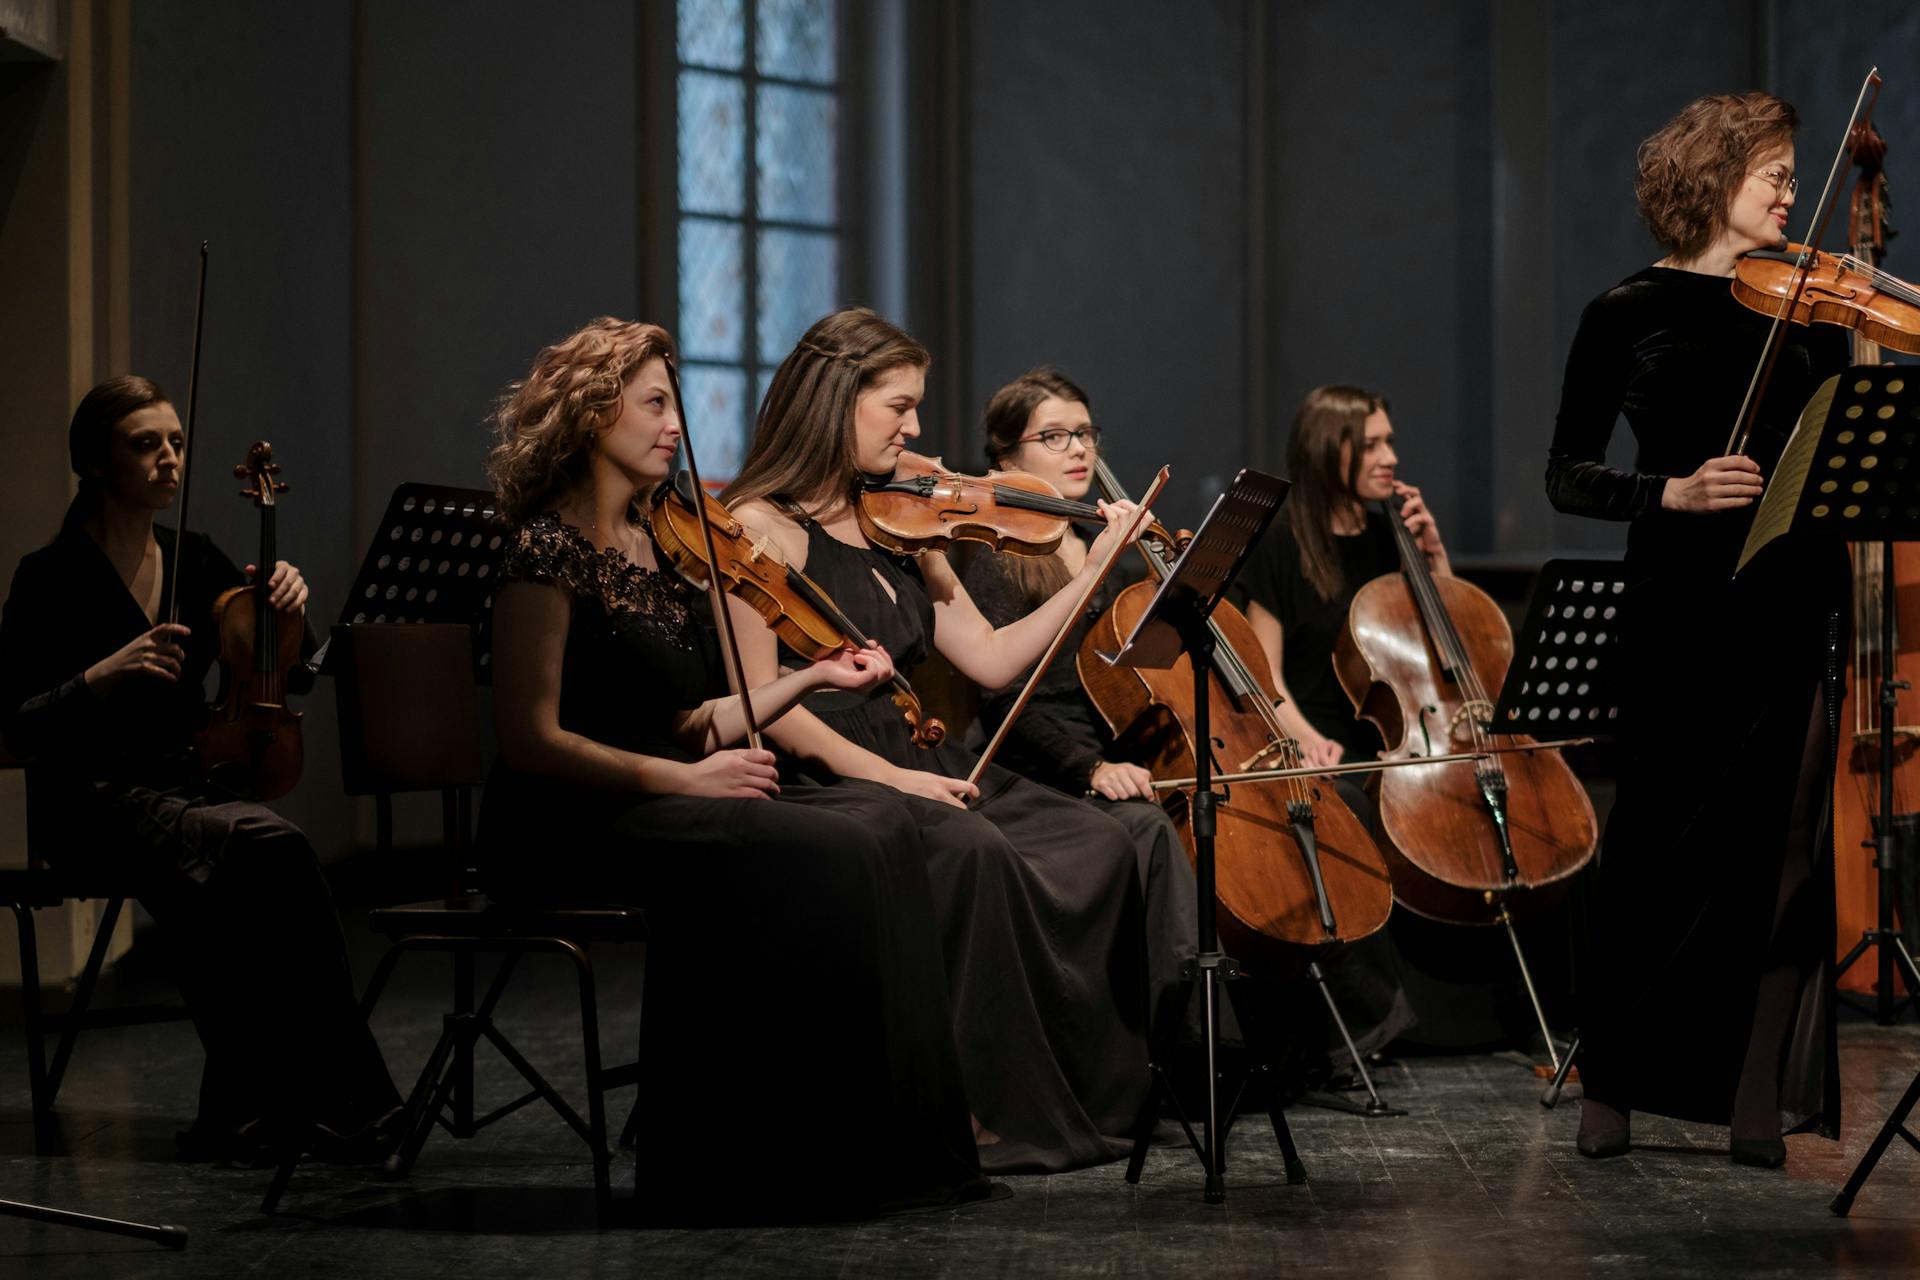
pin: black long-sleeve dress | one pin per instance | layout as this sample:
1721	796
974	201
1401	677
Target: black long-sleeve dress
1039	902
237	889
1060	738
795	1037
1712	941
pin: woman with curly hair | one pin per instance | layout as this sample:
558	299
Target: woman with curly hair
1707	988
781	917
1039	895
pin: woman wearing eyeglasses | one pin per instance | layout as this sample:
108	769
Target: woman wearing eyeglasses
1040	423
1708	991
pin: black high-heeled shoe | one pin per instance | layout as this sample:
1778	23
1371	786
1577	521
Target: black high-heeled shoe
1761	1153
1599	1137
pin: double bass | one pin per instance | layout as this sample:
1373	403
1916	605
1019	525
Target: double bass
1280	852
1856	800
1423	658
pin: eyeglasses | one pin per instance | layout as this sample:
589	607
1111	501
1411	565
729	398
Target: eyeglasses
1055	440
1783	181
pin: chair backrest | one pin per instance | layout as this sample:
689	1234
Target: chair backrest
409	715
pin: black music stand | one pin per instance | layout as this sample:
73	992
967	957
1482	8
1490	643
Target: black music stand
1561	681
1176	622
1849	471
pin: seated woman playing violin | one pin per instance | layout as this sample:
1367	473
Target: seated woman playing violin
1040	424
1708	980
1038	895
780	915
104	699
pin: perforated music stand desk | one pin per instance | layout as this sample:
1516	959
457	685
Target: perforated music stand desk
1562	680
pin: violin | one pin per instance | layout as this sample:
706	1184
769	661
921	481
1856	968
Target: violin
252	743
926	507
1294	867
1420	657
1843	289
792	604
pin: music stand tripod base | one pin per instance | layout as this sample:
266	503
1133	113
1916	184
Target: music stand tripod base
1562	681
1176	622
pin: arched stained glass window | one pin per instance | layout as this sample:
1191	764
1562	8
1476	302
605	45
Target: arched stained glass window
759	219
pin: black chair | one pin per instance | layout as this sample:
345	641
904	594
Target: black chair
409	722
39	887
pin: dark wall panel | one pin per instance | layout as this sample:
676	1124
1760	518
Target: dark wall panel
239	136
1104	229
1379	230
501	212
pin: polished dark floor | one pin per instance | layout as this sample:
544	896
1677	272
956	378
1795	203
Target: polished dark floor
1477	1180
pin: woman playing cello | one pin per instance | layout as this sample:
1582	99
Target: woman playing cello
1707	987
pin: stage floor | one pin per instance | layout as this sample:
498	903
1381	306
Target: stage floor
1477	1180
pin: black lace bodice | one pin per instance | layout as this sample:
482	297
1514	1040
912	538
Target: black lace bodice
637	652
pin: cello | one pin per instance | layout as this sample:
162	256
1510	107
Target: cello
1422	658
1856	766
1295	869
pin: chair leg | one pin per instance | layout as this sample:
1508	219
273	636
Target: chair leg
83	995
596	1096
36	1030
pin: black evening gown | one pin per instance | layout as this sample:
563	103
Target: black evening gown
1369	978
1714	903
243	907
1059	739
1039	902
795	1037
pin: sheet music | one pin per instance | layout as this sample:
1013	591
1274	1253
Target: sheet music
1789	478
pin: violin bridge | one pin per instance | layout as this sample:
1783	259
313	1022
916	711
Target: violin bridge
758	548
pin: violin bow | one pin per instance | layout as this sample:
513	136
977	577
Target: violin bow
1134	527
186	463
1367	766
722	622
1822	214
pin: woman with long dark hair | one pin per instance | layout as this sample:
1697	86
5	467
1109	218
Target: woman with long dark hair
790	931
1040	423
1039	895
1708	987
103	698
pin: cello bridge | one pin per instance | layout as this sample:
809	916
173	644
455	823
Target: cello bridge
1259	759
1468	718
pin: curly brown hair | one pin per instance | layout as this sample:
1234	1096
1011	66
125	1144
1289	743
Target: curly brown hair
1691	168
544	424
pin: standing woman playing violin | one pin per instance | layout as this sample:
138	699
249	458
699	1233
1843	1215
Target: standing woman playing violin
1040	424
1038	894
1708	986
103	700
790	927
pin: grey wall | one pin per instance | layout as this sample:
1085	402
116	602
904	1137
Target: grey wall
1107	180
404	203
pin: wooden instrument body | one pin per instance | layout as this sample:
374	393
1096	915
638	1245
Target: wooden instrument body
252	744
1267	908
1836	292
1856	781
945	507
1436	833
